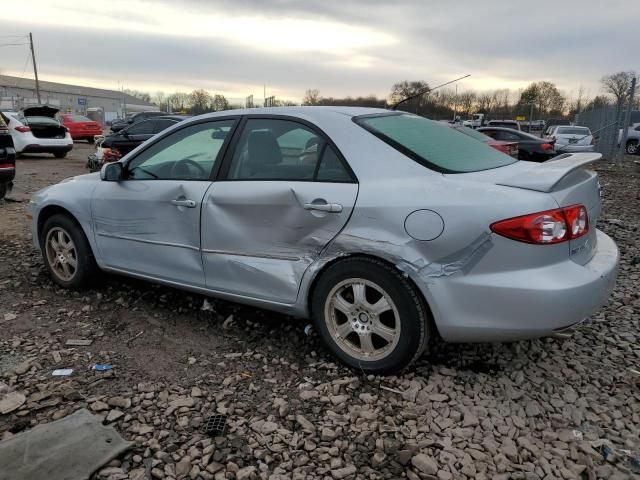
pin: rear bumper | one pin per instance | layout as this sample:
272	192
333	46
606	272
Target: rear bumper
523	304
574	148
85	134
33	148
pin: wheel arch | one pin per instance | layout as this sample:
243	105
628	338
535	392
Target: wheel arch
318	274
49	211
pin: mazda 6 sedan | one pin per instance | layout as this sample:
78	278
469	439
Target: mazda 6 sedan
386	228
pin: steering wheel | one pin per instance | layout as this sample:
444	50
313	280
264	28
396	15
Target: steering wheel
184	164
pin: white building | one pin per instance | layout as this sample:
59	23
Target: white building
99	104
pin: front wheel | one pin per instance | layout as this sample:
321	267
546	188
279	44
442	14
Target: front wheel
370	316
67	253
632	148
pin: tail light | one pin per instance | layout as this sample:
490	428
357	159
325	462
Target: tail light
23	129
7	165
546	146
548	227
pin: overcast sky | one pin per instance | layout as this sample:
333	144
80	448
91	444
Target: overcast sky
346	47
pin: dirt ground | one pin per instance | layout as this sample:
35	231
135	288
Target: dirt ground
526	410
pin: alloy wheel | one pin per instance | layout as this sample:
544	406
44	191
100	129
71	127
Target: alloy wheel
362	319
61	254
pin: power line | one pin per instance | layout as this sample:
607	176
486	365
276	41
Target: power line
13	44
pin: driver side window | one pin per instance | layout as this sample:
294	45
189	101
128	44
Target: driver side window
187	154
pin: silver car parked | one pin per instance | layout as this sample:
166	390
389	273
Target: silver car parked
386	228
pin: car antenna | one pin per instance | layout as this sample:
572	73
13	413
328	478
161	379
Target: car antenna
426	90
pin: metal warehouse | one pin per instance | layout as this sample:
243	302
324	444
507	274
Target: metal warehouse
99	104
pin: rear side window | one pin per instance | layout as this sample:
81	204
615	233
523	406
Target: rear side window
143	128
433	144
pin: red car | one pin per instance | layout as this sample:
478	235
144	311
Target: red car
81	127
510	148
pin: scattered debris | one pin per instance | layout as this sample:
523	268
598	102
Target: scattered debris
206	306
389	389
227	323
77	342
101	367
9	316
57	358
215	425
61	446
11	401
615	221
308	330
134	337
192	360
578	435
62	372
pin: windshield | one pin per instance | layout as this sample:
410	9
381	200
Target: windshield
434	145
573	131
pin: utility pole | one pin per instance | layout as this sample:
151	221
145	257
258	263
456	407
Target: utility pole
35	69
627	121
530	116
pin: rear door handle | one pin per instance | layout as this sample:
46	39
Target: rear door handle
324	207
183	203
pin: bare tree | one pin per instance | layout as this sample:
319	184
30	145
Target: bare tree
618	84
159	99
408	89
219	103
200	101
466	101
178	101
311	97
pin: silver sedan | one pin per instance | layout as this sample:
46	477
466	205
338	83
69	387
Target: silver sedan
386	228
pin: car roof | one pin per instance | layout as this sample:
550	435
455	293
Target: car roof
172	117
306	112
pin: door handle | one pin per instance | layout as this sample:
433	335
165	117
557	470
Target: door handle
324	207
183	203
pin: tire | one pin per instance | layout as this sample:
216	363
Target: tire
407	323
60	154
3	190
90	141
632	147
85	269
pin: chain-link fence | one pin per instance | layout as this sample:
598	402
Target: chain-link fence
609	124
604	124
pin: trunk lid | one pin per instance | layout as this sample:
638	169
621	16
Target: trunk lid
40	111
566	180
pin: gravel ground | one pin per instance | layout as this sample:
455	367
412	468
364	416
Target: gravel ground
549	408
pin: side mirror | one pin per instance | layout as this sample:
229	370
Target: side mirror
112	172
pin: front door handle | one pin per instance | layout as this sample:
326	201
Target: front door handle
324	207
183	203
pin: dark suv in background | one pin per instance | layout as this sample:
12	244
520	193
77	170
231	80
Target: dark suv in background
118	125
7	160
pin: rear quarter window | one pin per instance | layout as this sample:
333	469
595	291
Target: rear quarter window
432	144
572	131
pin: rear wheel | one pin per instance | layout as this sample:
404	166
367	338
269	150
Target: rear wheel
370	316
632	147
90	140
3	190
67	253
60	154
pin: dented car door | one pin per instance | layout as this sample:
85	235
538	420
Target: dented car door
149	223
285	192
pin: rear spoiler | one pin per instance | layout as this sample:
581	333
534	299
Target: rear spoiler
545	176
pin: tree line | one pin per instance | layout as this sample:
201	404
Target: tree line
542	99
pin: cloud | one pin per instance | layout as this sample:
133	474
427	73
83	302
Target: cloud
342	48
